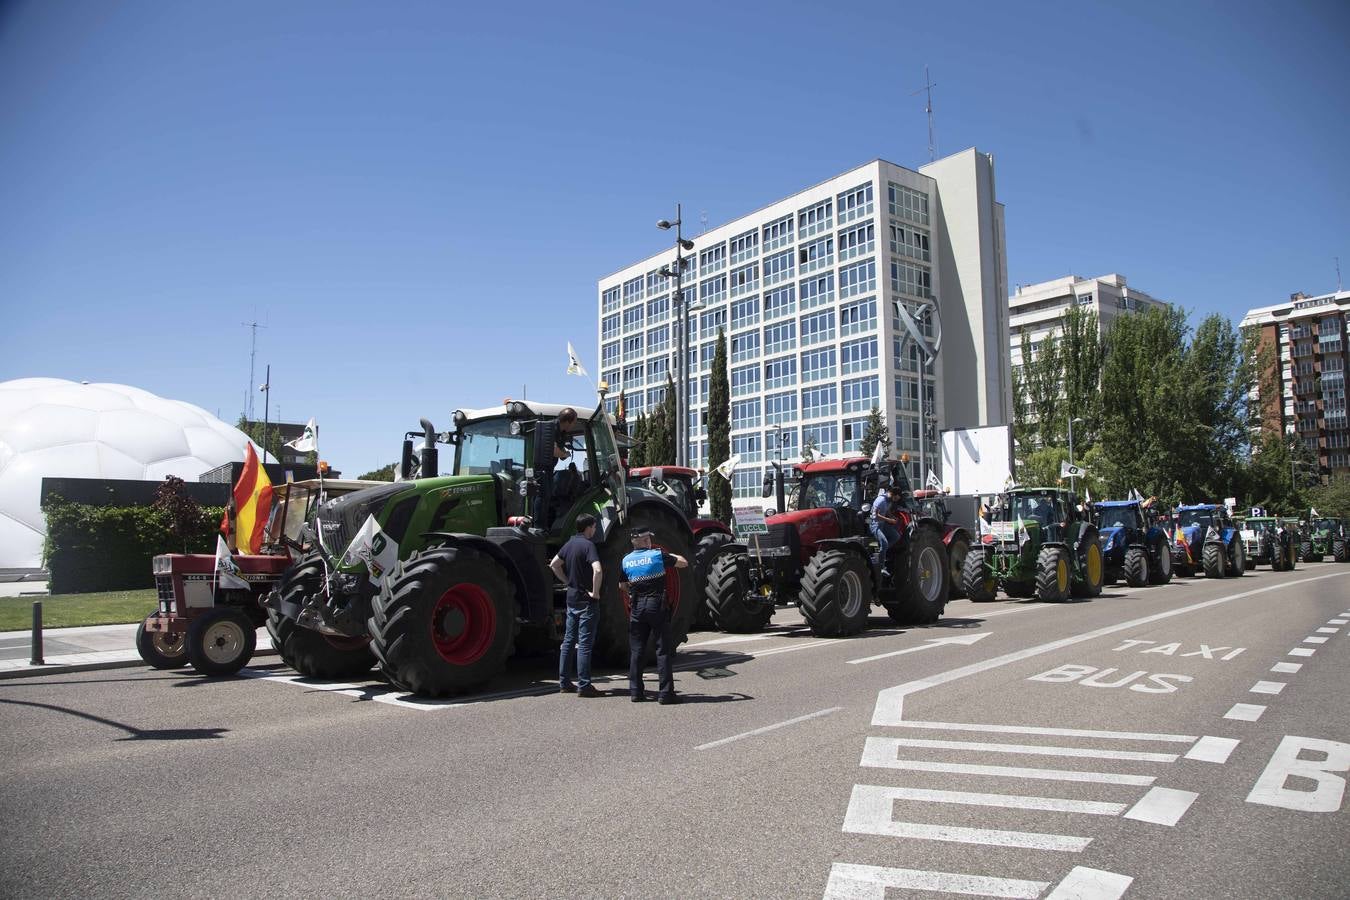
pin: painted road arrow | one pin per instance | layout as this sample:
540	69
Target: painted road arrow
929	644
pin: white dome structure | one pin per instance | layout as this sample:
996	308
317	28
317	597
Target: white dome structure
53	428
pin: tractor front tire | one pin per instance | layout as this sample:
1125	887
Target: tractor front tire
734	607
316	655
161	650
1136	567
1215	560
1238	566
836	593
221	641
1052	574
957	552
705	551
1339	551
444	621
1306	551
1094	570
977	580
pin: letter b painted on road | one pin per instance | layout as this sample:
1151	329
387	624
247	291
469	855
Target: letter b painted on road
1273	788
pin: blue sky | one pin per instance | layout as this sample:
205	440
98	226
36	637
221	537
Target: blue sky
417	198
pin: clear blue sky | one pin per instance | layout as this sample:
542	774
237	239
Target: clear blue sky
417	198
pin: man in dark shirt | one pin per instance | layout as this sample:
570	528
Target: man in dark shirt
562	438
644	574
577	565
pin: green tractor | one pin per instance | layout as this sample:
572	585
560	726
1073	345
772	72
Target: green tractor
1035	543
1323	537
440	578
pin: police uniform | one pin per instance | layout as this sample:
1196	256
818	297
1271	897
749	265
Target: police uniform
644	572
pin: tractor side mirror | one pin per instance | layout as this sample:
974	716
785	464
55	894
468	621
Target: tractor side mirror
767	489
405	463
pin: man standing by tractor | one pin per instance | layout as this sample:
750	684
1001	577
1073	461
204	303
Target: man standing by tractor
577	565
884	521
644	575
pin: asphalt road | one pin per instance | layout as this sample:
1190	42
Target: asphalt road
1122	746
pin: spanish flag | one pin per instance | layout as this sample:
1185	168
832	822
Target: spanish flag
252	503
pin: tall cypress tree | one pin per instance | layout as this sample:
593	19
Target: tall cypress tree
719	429
672	435
637	456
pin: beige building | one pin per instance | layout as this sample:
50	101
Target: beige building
1038	310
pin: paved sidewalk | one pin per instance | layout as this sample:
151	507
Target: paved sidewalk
82	649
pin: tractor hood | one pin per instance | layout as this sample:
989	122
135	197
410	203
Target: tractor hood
1109	536
428	504
811	525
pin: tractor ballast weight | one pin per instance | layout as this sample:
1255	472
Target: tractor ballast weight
1207	539
1135	546
1036	544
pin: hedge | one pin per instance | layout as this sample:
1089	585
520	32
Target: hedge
105	548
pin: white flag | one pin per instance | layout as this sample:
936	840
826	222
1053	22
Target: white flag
1315	513
574	366
933	481
726	468
227	573
373	547
1068	471
878	453
307	442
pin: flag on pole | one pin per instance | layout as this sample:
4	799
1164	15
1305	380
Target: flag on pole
574	366
1315	513
373	547
252	503
728	467
227	572
933	483
307	442
1068	471
878	453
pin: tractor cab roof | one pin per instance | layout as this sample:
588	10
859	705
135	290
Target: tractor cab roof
1115	504
928	494
667	471
1199	507
844	464
528	409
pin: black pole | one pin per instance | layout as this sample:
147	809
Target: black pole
267	398
37	634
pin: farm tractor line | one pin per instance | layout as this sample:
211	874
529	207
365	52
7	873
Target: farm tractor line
1207	539
1035	544
1267	542
1323	537
1134	544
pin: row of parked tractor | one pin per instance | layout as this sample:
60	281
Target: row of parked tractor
438	579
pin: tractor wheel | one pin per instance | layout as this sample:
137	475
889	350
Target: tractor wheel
1215	560
957	552
1306	551
160	650
927	571
704	553
611	634
1238	566
1020	590
221	641
1292	556
444	621
1052	574
836	593
977	581
1136	567
316	655
734	606
1274	551
1162	572
1092	569
1339	551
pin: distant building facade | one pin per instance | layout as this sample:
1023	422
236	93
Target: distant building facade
1038	310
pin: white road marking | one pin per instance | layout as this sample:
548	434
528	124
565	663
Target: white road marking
1338	621
1038	750
853	882
1162	806
1285	668
1301	651
1008	801
1328	631
1055	732
1245	712
975	614
1329	790
883	753
1091	884
1267	687
1212	749
869	812
928	644
1315	640
767	728
890	702
734	639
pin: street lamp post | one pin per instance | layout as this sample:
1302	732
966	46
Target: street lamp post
1072	422
681	310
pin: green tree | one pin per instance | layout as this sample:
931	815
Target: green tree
1037	381
719	429
1333	498
383	473
254	430
671	414
875	433
810	449
1081	353
637	454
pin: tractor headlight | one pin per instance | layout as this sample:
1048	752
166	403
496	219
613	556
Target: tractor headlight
516	408
161	565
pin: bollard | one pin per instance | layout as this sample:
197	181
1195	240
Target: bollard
37	634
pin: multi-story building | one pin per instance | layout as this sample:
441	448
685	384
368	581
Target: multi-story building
803	289
1301	390
1038	310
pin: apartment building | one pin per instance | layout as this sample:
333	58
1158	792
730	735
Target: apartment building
1038	310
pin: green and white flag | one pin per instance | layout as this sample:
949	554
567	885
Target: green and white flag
227	572
307	442
373	547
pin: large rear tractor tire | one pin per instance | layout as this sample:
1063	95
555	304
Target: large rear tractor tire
1339	551
922	596
444	621
734	605
1052	574
705	551
836	593
1161	573
1306	551
161	650
977	579
1092	568
611	636
957	552
1136	567
1215	561
221	641
1238	566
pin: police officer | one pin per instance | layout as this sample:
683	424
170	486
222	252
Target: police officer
644	575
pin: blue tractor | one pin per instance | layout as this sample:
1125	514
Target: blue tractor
1134	545
1206	538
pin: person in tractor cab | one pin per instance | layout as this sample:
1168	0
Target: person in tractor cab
885	520
562	439
577	565
644	576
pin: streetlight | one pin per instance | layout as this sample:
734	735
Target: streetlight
682	311
1072	422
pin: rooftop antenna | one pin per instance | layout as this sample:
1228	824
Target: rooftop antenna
1338	274
703	221
928	108
252	359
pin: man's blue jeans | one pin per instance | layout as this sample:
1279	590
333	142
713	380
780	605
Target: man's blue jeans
885	535
579	636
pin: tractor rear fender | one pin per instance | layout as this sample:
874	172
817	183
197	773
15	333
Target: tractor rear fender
927	522
663	508
534	591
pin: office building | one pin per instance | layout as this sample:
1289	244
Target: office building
1038	310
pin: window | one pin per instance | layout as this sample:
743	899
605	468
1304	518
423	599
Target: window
907	240
816	291
815	219
609	298
710	321
777	234
744	246
781	442
907	395
609	355
859	394
855	203
781	372
746	482
859	278
857	241
655	397
908	278
658	339
612	377
818	365
780	302
778	338
632	347
609	326
656	283
858	317
632	377
745	413
745	346
632	290
817	327
854	429
658	309
778	267
824	436
713	290
745	279
907	203
745	380
816	255
779	408
858	356
745	312
749	446
819	401
705	353
1085	299
712	259
632	318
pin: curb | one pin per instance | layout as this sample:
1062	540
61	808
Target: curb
65	668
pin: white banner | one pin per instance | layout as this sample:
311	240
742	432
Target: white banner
1068	471
307	442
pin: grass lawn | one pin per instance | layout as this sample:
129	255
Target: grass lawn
66	610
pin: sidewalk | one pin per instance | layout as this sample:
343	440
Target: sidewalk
82	650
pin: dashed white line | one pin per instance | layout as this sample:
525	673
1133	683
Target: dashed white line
1212	749
1267	687
1325	630
1315	640
767	728
1091	884
1338	621
1037	750
854	882
1285	668
1245	712
1162	806
1301	651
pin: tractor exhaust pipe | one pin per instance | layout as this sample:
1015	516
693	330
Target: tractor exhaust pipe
429	452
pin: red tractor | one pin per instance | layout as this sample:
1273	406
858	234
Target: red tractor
680	485
956	538
820	553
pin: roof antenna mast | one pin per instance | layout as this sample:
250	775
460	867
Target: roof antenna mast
252	359
928	108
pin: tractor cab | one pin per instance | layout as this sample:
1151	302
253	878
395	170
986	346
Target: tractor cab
679	485
1050	511
834	496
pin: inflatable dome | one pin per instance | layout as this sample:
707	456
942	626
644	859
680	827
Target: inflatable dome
50	427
